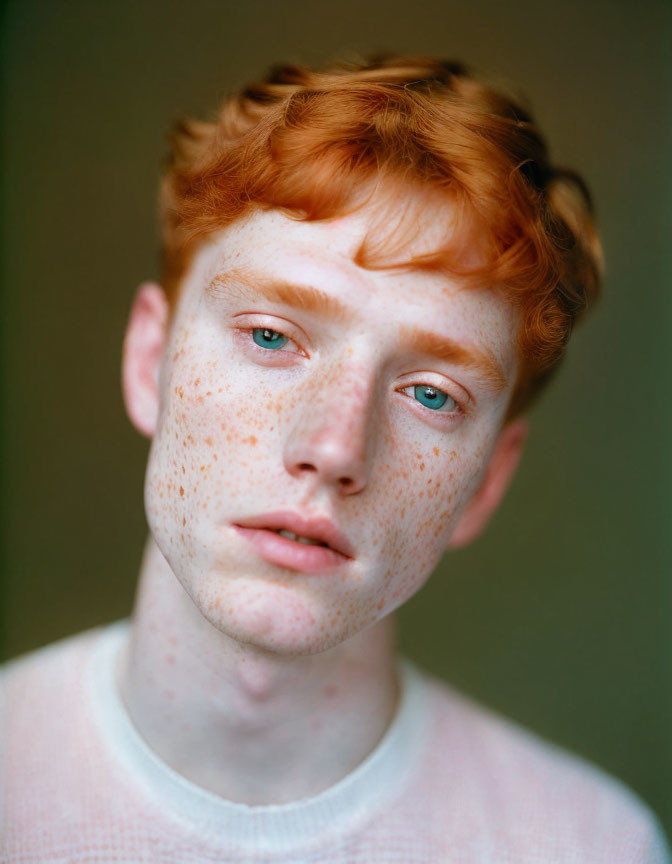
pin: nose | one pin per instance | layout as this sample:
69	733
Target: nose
331	439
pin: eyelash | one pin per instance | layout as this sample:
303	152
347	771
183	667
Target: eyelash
248	332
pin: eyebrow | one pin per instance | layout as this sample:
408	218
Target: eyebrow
303	297
442	347
311	299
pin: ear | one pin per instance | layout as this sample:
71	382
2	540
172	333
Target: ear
143	347
487	498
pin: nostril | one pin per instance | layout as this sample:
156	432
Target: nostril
346	481
306	466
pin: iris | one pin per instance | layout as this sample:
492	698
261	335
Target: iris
431	397
268	338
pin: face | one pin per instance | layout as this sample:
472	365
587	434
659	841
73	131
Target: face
299	392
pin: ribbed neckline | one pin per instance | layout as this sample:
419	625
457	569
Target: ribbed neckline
265	828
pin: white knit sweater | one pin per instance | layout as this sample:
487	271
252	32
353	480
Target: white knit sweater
449	782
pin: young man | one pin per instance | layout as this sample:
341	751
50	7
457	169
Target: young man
369	272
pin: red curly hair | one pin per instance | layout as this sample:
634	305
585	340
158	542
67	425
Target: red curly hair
308	141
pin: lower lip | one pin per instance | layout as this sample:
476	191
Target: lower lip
302	557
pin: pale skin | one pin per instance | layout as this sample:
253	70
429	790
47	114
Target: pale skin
266	683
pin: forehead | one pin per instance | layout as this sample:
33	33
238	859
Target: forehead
323	256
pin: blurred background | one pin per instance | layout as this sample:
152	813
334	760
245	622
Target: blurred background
559	616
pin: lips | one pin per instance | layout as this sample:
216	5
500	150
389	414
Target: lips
317	528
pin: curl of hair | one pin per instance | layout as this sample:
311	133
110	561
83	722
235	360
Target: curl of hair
308	141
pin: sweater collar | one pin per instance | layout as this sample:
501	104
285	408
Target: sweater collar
362	793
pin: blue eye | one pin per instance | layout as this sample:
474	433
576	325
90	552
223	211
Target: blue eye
266	338
431	397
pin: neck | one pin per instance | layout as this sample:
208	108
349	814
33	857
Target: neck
253	726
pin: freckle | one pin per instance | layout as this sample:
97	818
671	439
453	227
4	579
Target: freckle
209	393
253	440
429	481
208	441
197	382
200	400
214	456
181	491
228	437
202	467
436	451
184	521
220	390
183	471
422	466
380	605
181	392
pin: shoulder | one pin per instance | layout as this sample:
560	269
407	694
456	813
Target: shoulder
534	789
51	652
45	694
45	669
55	768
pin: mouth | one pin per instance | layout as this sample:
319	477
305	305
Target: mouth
297	542
290	535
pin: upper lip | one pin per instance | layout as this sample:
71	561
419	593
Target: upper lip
314	527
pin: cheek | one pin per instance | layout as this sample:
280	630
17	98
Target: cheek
213	447
424	495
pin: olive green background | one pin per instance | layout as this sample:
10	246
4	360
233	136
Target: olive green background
559	615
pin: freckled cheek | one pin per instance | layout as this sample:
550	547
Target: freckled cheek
216	436
428	501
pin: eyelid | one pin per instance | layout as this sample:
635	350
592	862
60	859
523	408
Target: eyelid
460	407
277	351
274	322
427	378
439	390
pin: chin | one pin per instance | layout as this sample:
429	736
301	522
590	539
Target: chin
272	618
